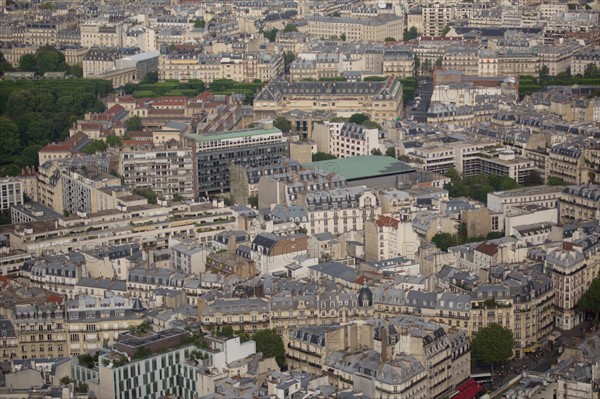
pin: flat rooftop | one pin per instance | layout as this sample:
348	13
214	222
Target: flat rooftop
233	134
362	167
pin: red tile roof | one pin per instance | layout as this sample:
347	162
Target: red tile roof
384	221
489	249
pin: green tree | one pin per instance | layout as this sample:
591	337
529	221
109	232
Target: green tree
290	28
410	34
227	332
492	235
438	62
66	380
94	147
29	156
150	77
322	156
134	123
282	124
534	178
288	58
590	300
147	193
49	59
27	63
369	124
417	63
492	344
253	201
391	152
5	66
376	151
446	30
556	181
9	140
443	241
389	39
358	118
270	344
113	140
199	23
591	71
544	73
75	71
343	37
271	35
248	99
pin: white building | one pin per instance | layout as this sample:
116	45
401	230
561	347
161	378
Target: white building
11	193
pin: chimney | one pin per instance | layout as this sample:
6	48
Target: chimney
567	246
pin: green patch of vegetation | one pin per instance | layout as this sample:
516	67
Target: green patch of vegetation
322	156
477	187
147	193
409	87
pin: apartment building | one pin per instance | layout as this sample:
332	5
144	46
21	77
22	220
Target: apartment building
582	59
271	253
398	61
167	168
567	163
579	203
214	154
11	193
381	100
388	238
81	190
567	267
151	224
241	67
346	139
502	201
435	17
93	323
374	29
101	34
41	329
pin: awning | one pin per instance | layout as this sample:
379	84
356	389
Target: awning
532	348
468	390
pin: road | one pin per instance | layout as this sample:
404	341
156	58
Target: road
424	91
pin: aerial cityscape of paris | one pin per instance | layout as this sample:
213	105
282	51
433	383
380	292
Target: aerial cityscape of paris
300	199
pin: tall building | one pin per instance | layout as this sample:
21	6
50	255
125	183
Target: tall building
11	193
214	154
435	17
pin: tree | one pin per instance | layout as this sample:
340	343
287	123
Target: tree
369	124
410	34
75	71
427	65
389	39
49	59
492	344
590	300
343	37
376	151
391	152
443	241
288	58
544	73
199	23
417	63
253	201
556	181
591	71
147	193
271	34
533	179
438	62
492	235
358	118
4	64
66	380
134	123
30	155
227	332
150	77
290	28
94	147
282	124
446	30
248	99
113	140
270	344
9	139
322	156
27	63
